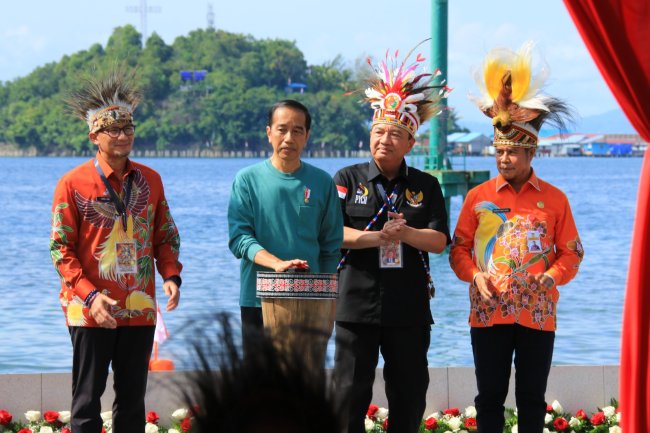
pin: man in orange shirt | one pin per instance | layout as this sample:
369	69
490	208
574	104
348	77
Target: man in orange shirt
515	242
110	222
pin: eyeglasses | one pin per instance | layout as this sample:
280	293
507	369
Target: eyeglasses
128	130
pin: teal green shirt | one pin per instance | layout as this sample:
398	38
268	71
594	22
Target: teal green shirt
292	216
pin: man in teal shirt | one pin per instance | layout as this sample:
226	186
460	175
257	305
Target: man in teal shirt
283	213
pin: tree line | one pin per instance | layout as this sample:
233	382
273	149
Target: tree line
226	110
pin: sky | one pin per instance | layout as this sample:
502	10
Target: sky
36	32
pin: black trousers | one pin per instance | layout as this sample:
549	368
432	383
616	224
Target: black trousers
406	373
128	350
252	326
493	348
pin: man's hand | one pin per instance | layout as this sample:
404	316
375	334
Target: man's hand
544	280
99	311
394	229
283	265
484	285
174	293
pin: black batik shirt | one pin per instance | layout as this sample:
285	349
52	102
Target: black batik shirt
387	297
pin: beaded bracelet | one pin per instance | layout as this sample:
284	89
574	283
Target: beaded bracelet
91	296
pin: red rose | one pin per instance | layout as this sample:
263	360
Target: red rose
5	417
549	408
152	417
372	410
470	423
65	430
25	430
580	414
186	424
51	416
560	424
431	423
453	411
103	430
386	424
598	418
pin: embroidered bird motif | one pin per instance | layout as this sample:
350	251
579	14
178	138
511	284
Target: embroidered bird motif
104	215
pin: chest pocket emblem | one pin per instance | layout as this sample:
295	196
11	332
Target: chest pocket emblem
362	195
414	199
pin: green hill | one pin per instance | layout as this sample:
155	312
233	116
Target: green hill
227	109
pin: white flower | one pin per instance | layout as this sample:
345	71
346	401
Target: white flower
435	415
173	430
463	431
574	422
150	428
609	411
557	407
615	429
106	416
455	423
548	418
515	428
46	429
546	430
368	424
64	416
618	417
32	415
108	425
470	412
448	431
180	414
381	414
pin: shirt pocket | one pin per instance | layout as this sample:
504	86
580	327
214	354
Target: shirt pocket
360	216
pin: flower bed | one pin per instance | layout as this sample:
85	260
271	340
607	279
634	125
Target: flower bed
451	420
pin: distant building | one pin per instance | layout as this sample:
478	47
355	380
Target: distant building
592	145
468	143
295	87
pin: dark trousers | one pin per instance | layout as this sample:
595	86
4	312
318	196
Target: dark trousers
252	326
493	348
128	349
406	373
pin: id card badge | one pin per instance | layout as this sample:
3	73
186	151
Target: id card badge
534	242
127	258
390	256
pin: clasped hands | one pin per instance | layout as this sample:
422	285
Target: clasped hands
394	229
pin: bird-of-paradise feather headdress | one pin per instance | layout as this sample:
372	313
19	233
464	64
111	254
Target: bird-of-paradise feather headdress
510	96
104	100
402	96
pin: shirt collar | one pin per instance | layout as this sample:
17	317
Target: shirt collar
373	171
532	180
108	171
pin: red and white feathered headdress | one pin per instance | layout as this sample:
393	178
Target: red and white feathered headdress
401	95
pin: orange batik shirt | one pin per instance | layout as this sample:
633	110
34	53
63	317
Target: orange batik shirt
89	238
513	236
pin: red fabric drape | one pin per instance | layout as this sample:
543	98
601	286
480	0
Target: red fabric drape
617	34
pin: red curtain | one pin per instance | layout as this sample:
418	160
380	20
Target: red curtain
617	34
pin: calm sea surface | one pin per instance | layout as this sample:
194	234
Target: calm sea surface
33	336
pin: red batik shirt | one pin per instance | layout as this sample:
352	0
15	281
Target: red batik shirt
513	236
88	235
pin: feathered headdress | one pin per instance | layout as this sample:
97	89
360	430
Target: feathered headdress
400	95
105	100
510	95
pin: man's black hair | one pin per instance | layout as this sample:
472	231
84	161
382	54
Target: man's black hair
293	104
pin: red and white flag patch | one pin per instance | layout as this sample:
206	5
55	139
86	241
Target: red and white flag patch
343	191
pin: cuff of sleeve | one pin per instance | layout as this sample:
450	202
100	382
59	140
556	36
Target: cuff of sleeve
252	251
83	288
176	279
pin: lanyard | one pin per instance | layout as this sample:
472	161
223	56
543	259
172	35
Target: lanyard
389	203
370	224
120	205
